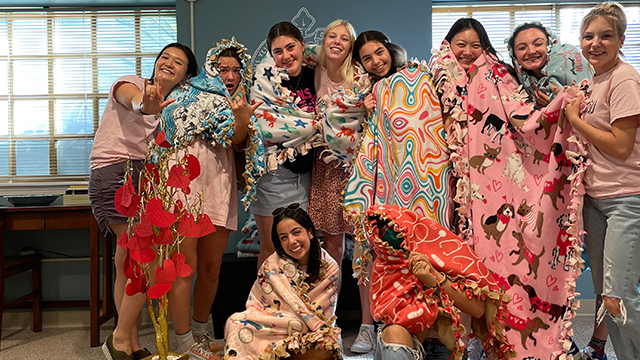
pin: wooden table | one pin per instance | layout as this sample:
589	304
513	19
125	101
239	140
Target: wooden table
71	217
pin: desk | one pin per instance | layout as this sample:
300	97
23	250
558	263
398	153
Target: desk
71	217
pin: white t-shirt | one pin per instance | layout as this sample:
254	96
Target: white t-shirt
122	132
614	95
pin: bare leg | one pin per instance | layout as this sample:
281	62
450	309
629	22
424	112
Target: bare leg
600	331
180	293
121	282
334	244
396	334
210	251
365	304
264	223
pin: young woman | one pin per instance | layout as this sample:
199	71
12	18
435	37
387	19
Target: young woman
379	56
128	120
290	310
610	123
217	182
286	85
543	64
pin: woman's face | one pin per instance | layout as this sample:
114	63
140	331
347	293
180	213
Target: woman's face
600	44
295	240
375	58
287	51
229	69
530	49
337	44
466	47
171	66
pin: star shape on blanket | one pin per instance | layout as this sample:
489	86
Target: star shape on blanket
299	122
267	73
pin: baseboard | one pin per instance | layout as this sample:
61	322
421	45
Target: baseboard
80	318
60	319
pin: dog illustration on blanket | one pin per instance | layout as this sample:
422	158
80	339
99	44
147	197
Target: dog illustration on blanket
563	248
514	170
530	217
482	162
493	122
527	327
496	224
556	311
523	253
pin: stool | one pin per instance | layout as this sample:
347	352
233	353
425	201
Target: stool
13	266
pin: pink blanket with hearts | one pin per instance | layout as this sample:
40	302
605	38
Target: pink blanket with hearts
526	167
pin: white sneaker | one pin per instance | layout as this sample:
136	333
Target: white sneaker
208	342
365	341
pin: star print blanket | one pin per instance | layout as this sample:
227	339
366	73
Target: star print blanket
284	314
201	109
342	116
518	191
286	127
403	158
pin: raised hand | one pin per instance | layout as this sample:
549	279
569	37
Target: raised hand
153	98
242	112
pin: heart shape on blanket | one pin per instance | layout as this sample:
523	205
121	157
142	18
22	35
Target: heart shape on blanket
551	280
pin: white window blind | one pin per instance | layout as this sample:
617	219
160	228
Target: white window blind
564	20
56	69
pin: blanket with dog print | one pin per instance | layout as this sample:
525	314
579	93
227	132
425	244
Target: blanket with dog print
519	187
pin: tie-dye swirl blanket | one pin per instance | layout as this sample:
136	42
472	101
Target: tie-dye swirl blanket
403	158
201	109
342	118
287	128
284	314
519	189
398	297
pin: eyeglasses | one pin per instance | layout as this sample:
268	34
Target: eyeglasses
280	210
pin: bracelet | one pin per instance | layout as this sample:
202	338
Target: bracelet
444	280
140	109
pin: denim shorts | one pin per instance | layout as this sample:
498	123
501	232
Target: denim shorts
384	351
280	189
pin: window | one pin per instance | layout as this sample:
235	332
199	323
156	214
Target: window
564	20
56	69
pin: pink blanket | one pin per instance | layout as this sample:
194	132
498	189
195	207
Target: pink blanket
519	188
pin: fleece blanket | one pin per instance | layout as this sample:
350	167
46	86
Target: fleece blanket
519	189
565	65
284	314
287	129
403	158
201	109
398	297
342	117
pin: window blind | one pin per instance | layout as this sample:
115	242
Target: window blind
563	19
56	69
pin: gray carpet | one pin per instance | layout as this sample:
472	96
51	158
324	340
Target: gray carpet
72	343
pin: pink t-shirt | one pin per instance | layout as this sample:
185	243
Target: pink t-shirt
324	85
122	132
614	95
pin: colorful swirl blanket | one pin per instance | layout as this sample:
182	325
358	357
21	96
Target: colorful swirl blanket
398	297
284	314
403	158
201	109
286	128
343	116
519	189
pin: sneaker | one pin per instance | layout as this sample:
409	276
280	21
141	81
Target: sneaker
574	351
365	340
111	353
589	353
199	351
205	339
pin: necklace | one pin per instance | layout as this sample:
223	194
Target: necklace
295	89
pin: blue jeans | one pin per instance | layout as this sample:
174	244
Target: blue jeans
613	247
427	350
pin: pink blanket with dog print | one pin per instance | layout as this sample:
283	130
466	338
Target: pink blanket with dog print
519	186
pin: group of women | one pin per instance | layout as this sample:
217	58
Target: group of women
310	107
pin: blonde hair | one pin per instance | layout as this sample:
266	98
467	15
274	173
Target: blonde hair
613	12
347	69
